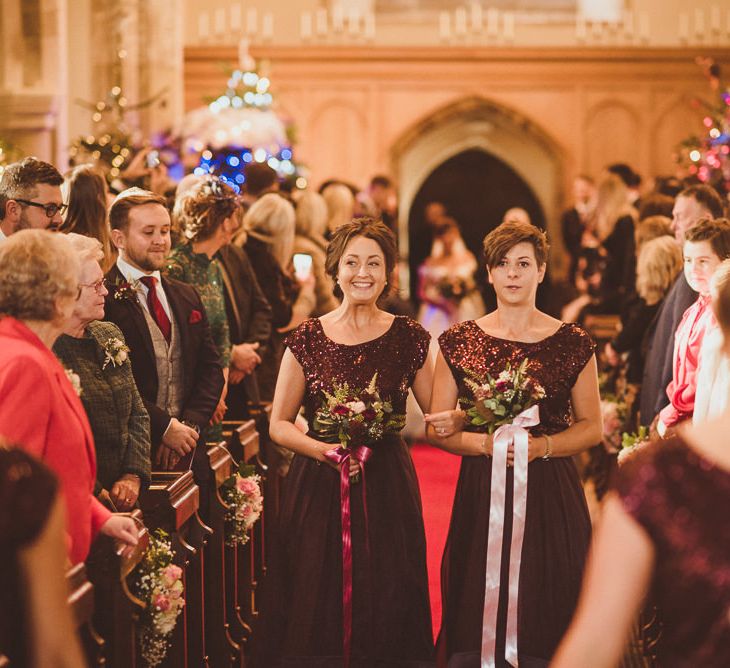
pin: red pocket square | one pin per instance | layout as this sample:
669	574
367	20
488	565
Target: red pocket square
195	316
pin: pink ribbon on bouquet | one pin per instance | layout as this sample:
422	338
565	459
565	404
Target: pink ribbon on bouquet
508	434
341	456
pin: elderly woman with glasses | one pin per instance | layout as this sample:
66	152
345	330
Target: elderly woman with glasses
40	408
97	353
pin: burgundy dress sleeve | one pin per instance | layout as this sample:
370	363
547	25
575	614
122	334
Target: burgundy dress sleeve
299	339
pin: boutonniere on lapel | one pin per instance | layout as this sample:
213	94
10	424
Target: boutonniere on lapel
115	353
126	290
195	317
75	381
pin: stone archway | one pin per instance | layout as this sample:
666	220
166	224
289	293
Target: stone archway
469	124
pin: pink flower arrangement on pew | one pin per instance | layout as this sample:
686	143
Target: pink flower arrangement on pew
242	494
159	585
498	401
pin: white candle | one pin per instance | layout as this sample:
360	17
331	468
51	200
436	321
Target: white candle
580	28
321	22
644	26
683	27
509	26
629	24
444	26
203	26
597	30
338	18
353	22
305	25
476	16
252	21
244	59
492	21
699	23
267	26
370	26
235	20
219	21
460	21
715	19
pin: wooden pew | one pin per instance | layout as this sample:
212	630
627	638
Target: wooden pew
115	609
171	503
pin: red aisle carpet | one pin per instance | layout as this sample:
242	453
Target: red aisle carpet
437	472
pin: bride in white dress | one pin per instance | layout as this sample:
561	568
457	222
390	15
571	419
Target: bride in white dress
446	284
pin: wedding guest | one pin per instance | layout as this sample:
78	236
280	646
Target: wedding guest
311	226
36	628
631	180
706	245
574	220
97	353
260	179
340	205
651	228
656	204
690	206
209	219
174	360
390	621
668	511
30	197
379	201
556	524
40	409
85	190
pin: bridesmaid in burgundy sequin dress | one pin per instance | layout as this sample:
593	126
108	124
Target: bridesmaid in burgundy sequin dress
302	616
665	528
557	525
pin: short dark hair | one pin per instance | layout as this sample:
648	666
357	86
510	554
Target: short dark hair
20	179
370	228
124	203
260	177
630	178
510	233
707	196
716	231
656	204
380	180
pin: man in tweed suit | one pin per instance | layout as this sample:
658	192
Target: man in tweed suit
174	360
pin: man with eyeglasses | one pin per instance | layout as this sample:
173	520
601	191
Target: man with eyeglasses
30	197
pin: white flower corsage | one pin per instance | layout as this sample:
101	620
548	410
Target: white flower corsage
115	353
75	381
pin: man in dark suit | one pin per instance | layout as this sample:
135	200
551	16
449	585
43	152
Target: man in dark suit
692	205
174	360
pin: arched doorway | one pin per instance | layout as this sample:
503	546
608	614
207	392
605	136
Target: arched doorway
476	188
496	141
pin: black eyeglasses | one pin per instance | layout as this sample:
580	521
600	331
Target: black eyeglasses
50	209
97	287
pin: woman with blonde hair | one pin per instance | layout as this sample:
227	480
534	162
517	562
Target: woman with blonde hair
85	190
311	226
340	205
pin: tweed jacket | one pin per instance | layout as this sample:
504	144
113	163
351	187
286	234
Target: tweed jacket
41	413
202	370
119	420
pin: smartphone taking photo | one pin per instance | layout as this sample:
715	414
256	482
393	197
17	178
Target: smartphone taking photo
153	159
302	266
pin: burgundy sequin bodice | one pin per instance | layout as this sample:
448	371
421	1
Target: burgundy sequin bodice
396	356
555	362
681	500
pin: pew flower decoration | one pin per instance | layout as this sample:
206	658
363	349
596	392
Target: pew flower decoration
498	401
159	584
356	417
632	443
242	494
614	412
116	353
75	381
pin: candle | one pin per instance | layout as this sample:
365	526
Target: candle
252	21
235	20
321	22
203	26
445	26
305	26
715	19
683	27
476	16
644	26
492	21
580	28
699	23
338	18
460	21
219	21
353	22
629	24
509	26
267	26
245	62
370	26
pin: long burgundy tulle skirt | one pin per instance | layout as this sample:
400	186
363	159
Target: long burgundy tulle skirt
301	617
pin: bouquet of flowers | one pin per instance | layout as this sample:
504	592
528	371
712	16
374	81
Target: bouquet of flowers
498	401
632	443
615	412
356	417
158	583
453	288
242	494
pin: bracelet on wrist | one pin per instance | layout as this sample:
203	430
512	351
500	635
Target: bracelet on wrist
548	447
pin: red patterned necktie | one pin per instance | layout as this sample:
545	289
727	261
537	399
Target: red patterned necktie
155	306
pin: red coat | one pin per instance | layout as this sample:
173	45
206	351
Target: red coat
41	413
